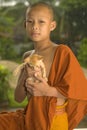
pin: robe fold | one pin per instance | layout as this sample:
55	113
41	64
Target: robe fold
68	78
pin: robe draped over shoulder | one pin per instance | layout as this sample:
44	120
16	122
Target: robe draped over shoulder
68	78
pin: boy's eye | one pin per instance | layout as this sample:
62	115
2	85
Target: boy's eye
41	21
29	21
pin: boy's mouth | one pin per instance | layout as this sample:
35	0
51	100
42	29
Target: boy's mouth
35	34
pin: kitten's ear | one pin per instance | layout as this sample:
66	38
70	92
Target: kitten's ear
40	57
26	60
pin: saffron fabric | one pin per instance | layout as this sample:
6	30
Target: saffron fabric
60	119
12	120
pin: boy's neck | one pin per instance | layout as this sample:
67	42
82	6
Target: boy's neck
40	47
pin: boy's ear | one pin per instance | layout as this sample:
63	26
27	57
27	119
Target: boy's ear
53	25
24	23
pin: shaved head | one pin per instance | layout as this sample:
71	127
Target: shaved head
43	5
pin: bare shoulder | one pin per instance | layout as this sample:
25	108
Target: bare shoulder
28	53
55	47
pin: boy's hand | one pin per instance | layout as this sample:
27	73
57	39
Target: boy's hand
40	88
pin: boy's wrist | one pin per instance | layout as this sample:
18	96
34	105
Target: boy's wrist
51	91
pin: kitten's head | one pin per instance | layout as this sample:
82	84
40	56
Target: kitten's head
33	59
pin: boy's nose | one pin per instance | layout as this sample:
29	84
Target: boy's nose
35	26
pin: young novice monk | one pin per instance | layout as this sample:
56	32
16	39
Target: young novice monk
59	103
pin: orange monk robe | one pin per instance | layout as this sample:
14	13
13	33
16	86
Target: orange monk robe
68	78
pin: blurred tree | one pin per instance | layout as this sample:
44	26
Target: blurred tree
6	24
6	49
73	19
6	35
82	53
4	84
10	31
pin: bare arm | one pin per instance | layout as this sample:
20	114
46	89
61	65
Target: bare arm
20	91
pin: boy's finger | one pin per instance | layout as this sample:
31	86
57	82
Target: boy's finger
38	77
27	66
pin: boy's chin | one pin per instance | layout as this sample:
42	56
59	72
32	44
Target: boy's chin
36	40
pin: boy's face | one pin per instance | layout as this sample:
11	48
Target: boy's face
39	23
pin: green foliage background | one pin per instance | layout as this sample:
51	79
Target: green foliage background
71	17
4	84
82	53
